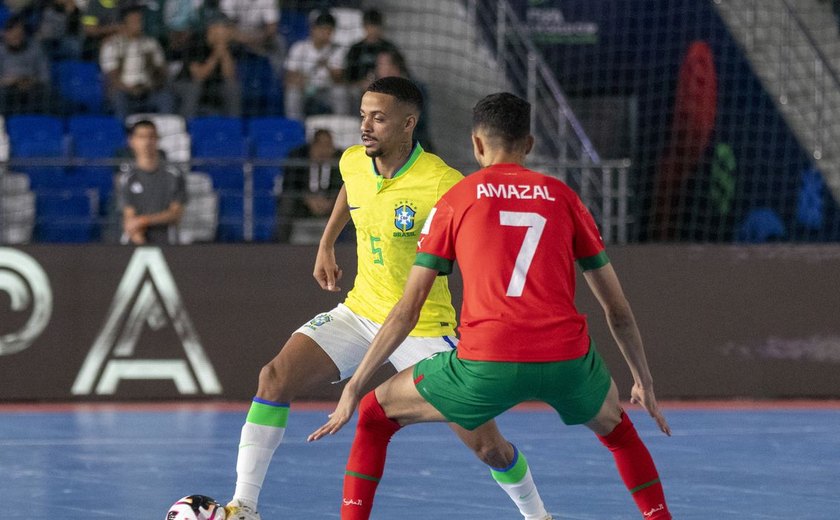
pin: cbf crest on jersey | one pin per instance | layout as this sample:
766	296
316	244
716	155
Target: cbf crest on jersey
404	216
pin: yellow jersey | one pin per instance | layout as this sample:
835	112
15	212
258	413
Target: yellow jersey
388	215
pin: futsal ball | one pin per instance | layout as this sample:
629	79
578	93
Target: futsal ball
196	507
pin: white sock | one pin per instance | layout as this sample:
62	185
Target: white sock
256	448
518	483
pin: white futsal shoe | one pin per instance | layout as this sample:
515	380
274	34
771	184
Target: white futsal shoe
239	511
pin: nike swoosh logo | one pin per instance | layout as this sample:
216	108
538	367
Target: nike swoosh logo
523	497
354	207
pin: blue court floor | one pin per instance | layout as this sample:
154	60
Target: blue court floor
104	462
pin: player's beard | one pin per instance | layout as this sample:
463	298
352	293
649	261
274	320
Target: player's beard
373	152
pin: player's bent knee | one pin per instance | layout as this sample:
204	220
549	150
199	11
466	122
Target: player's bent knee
370	411
272	384
372	418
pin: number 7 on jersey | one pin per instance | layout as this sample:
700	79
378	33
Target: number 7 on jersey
535	224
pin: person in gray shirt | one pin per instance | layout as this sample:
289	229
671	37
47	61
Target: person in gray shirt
24	71
153	192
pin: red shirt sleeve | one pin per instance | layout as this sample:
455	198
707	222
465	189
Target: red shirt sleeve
587	238
436	246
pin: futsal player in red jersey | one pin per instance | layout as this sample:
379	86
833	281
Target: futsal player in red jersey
517	235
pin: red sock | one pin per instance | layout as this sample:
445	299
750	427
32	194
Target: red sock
367	458
637	469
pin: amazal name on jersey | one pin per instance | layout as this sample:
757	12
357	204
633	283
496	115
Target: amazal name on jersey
511	191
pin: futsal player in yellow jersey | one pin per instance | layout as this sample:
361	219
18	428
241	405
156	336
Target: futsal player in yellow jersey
390	186
388	214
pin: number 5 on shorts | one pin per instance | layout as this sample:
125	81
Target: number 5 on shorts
535	224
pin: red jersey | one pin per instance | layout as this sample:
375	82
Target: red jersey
516	235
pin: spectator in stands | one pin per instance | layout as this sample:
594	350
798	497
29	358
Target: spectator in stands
315	72
60	30
152	192
24	72
135	69
208	78
311	182
183	20
100	20
392	63
360	63
255	32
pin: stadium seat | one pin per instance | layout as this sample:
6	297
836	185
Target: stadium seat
17	216
271	139
4	140
294	26
95	137
66	216
166	124
215	127
231	217
80	86
288	132
17	209
761	225
262	92
12	183
5	14
348	26
177	147
219	142
201	214
4	146
38	137
345	129
265	216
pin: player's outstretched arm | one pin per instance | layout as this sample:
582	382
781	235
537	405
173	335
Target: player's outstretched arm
399	323
605	285
327	272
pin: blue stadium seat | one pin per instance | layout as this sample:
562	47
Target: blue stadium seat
215	127
65	216
95	137
80	86
231	217
220	139
288	132
272	138
294	26
232	222
265	216
262	93
38	137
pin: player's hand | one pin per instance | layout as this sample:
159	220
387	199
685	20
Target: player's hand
645	398
135	224
327	272
341	416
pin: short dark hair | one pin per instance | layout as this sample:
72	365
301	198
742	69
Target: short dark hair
148	123
372	17
131	8
323	17
14	21
503	115
401	88
321	132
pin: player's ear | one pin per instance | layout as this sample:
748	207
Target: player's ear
529	144
411	122
478	147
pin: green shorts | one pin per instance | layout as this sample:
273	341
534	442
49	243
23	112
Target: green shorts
470	393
